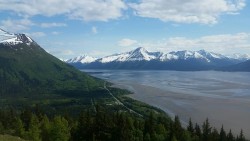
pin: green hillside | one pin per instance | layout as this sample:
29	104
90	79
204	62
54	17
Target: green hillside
29	76
27	69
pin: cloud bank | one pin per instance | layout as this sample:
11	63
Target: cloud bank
223	43
180	11
86	10
126	42
187	11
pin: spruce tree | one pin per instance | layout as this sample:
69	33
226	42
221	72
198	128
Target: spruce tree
59	129
215	135
34	129
19	128
241	136
223	136
26	117
230	136
197	131
45	128
206	130
178	131
190	127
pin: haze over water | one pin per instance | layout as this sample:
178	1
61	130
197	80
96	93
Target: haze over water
222	97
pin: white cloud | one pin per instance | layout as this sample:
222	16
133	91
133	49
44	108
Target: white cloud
187	11
48	25
94	30
86	10
127	42
16	25
55	33
66	52
225	43
36	34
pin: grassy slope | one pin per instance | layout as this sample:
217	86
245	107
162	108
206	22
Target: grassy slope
10	138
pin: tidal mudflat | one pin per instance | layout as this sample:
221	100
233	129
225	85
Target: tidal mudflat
222	97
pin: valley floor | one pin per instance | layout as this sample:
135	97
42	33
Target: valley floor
232	113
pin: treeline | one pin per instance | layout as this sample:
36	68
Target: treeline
103	125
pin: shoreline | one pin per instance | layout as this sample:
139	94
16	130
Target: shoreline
220	111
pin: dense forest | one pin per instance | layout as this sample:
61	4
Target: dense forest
101	125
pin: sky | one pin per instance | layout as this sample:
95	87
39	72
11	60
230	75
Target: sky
69	28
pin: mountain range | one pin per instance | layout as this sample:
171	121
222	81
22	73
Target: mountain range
140	59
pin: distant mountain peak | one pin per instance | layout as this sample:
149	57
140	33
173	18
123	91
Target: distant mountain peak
14	39
141	54
238	56
81	59
140	49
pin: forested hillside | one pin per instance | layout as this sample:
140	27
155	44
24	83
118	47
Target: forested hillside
104	126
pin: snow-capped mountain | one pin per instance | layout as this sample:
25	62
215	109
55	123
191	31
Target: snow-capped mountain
242	57
139	54
85	59
183	55
140	58
13	39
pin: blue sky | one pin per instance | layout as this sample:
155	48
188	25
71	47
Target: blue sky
102	27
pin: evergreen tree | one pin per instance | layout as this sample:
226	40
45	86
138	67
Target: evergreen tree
190	127
223	136
127	130
26	117
34	129
19	129
197	131
177	129
138	132
150	124
147	137
80	133
241	136
206	130
230	136
174	139
215	135
1	128
161	131
45	128
59	129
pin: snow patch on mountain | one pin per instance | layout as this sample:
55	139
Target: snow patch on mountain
243	57
210	55
139	54
183	55
13	39
167	56
85	59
